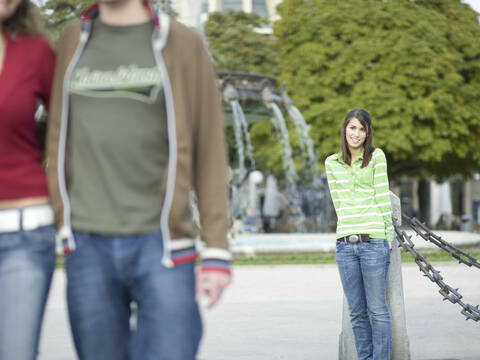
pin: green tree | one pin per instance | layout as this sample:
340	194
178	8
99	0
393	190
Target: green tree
415	65
235	46
58	13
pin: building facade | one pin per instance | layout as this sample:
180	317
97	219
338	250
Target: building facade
451	205
195	12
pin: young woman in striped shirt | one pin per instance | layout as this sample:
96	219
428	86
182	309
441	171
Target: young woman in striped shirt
358	183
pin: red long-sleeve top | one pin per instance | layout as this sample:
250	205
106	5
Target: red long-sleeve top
25	79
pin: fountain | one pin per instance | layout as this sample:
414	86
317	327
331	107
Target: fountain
262	203
306	202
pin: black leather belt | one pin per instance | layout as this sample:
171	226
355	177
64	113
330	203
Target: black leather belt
355	238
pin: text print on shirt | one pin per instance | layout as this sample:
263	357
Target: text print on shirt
130	81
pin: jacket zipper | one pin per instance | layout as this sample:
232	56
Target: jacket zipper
65	232
158	43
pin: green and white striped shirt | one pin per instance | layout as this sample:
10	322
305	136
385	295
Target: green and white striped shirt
361	196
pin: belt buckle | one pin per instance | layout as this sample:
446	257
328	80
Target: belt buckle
353	238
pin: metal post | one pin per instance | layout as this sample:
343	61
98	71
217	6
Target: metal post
395	301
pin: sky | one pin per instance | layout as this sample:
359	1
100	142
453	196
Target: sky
474	4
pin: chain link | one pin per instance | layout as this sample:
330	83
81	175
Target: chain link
428	235
449	293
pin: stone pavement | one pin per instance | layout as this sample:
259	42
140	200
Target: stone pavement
293	312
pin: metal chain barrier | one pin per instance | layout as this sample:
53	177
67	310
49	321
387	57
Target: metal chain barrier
449	293
428	235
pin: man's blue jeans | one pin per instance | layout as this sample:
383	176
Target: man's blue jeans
27	260
363	271
105	274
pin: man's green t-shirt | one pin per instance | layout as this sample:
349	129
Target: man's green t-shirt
118	133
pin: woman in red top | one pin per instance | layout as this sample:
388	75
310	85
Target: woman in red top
27	245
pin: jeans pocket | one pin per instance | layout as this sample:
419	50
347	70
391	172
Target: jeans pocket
378	241
378	245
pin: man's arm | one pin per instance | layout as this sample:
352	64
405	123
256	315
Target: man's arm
211	181
66	48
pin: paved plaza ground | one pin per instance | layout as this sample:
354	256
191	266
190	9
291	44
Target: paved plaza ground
293	312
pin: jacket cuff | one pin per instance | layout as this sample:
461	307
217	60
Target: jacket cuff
216	259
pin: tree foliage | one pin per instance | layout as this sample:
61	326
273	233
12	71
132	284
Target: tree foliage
414	65
235	46
58	13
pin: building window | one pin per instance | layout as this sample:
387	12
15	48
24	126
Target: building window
260	8
236	5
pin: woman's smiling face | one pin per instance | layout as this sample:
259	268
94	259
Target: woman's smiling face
355	134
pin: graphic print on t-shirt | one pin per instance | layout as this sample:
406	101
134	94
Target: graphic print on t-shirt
128	81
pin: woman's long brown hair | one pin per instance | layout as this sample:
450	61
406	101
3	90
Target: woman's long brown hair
25	20
363	116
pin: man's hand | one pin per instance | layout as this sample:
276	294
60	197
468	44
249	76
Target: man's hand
210	286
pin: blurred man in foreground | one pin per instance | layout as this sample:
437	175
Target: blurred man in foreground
135	125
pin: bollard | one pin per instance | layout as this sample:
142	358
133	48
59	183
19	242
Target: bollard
395	301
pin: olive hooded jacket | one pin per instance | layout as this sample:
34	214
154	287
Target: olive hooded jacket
197	156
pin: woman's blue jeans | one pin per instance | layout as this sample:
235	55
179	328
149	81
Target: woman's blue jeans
363	268
105	274
27	260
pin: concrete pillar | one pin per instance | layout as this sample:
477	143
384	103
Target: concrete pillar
214	5
272	6
395	301
415	199
186	13
247	6
467	198
434	202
